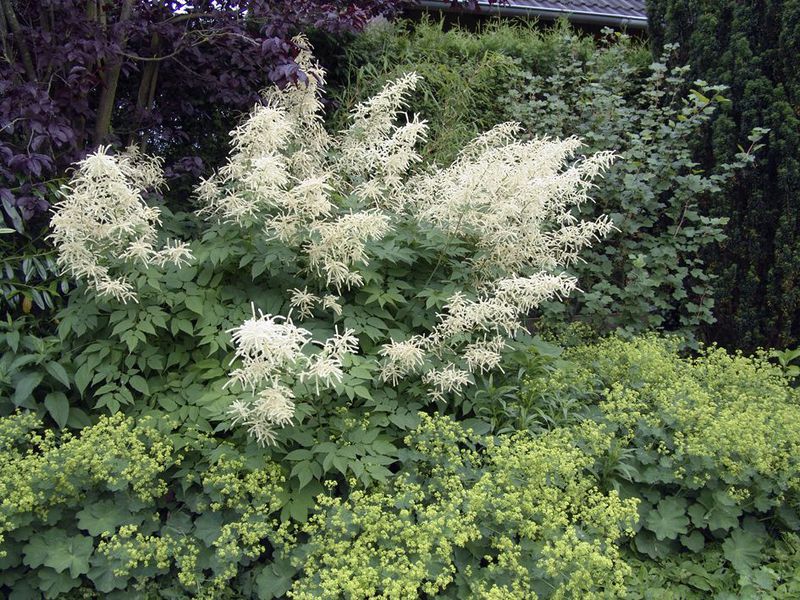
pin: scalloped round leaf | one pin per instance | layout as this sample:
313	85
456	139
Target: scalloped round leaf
669	518
743	549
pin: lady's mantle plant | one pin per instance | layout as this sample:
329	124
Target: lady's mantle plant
456	256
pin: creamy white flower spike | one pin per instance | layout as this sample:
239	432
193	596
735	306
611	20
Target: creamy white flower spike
272	352
485	355
277	165
331	302
339	245
401	359
515	199
266	345
446	380
103	226
303	301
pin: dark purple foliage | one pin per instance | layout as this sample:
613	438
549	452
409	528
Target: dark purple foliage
174	75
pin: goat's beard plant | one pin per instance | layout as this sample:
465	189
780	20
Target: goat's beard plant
357	220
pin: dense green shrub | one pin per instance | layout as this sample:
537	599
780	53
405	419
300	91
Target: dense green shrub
29	278
122	509
431	272
706	448
709	573
752	48
464	75
710	445
652	274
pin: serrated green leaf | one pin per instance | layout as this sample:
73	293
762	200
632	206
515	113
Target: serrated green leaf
146	327
303	472
12	339
694	541
194	304
58	372
302	502
715	510
383	447
59	551
139	383
340	462
35	551
54	583
669	519
208	527
478	426
273	583
102	575
362	392
24	387
83	376
646	543
105	515
57	405
743	549
300	454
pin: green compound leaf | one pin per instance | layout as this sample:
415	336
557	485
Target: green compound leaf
24	387
102	574
669	519
743	549
58	372
36	551
273	581
646	543
694	542
208	527
139	383
195	304
715	510
57	405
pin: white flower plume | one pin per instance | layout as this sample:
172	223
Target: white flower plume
271	349
511	206
103	226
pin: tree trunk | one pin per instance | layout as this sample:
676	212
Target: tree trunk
19	39
4	35
144	98
108	94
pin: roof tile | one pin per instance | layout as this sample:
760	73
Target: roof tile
623	8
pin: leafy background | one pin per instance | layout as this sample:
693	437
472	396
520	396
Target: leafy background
668	466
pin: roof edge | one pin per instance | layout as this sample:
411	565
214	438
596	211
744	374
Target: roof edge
575	16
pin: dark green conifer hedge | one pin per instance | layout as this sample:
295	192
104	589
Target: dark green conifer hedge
752	47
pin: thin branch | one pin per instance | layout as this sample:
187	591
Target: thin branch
203	37
152	58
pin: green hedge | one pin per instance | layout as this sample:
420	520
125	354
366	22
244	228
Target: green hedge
752	48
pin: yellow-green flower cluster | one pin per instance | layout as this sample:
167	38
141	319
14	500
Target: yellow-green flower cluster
501	523
712	416
132	550
41	471
246	500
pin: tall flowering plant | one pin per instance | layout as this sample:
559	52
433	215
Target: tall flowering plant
455	255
